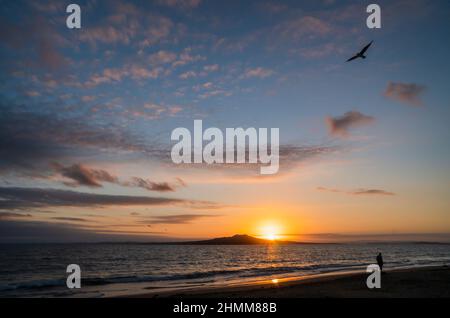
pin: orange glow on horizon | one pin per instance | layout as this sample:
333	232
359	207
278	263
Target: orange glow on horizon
270	231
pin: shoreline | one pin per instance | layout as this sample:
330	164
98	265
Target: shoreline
428	281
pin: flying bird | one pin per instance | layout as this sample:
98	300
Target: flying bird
361	54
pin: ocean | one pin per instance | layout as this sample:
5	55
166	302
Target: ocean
39	270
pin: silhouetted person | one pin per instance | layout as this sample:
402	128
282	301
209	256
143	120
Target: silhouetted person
380	261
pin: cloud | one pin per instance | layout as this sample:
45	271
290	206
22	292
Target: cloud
173	110
178	219
49	56
359	191
81	175
272	8
50	6
162	57
15	231
152	111
319	51
406	93
379	237
187	75
186	57
139	72
107	34
291	157
84	176
88	98
37	36
32	93
181	182
372	192
23	145
258	72
70	219
7	215
214	93
129	25
183	4
211	68
155	186
29	141
114	75
302	28
340	126
13	198
152	186
237	44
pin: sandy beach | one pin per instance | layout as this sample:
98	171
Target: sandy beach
405	283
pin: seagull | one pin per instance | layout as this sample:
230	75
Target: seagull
361	54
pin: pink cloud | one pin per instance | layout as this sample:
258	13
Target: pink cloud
187	75
340	126
259	72
406	93
358	191
162	57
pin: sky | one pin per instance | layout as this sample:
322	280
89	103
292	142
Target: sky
86	117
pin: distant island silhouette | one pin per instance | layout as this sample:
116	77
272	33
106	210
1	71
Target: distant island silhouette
244	239
238	239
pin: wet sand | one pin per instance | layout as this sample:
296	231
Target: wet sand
406	283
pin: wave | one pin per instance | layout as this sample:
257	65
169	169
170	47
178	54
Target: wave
243	273
35	284
210	275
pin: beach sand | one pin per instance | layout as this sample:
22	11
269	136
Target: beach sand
405	283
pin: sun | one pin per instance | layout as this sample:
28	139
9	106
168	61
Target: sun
270	232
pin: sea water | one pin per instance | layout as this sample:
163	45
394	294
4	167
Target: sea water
39	270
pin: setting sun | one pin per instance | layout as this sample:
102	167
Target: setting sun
270	232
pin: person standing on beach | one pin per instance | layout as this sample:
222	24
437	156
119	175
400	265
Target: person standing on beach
380	261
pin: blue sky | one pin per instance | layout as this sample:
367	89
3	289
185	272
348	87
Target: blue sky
91	111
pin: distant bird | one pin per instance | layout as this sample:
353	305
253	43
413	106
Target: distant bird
361	54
